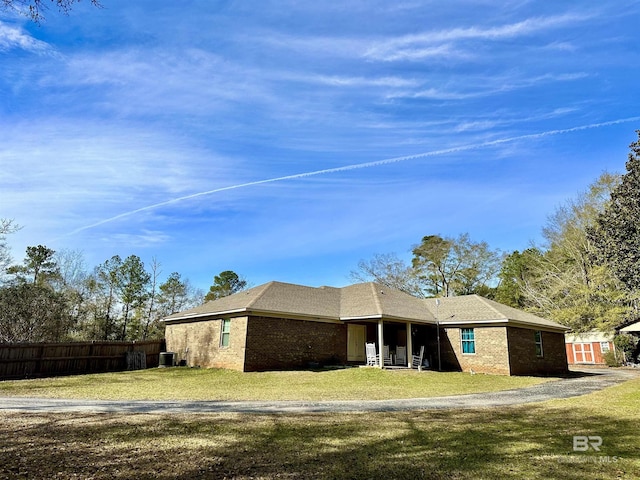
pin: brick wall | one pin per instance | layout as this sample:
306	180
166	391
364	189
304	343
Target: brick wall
491	351
280	343
522	352
199	343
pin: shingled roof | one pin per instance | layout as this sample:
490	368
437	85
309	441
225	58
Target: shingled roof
272	298
363	301
477	309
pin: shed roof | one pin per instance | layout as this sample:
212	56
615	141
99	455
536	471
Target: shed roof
588	337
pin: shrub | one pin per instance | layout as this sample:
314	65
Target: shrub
612	358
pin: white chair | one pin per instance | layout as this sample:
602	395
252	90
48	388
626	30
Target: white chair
401	356
416	360
372	357
387	356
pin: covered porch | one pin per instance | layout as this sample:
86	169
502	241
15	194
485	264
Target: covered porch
393	340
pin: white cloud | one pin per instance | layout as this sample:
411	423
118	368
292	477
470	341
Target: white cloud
58	175
352	81
145	238
12	37
477	86
441	43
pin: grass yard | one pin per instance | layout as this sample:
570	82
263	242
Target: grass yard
526	442
212	384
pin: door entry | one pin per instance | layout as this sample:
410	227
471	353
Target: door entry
582	353
356	338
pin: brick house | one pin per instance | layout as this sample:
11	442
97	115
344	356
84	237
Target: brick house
282	326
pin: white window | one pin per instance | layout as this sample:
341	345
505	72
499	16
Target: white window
225	332
538	339
604	347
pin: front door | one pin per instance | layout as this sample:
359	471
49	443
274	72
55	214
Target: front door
356	338
582	353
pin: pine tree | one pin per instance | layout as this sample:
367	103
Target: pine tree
617	231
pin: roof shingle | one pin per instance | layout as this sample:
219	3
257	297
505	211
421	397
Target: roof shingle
361	301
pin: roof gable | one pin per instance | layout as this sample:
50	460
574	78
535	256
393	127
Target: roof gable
372	300
359	302
474	308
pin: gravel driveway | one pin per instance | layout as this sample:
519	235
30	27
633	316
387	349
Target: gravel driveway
591	381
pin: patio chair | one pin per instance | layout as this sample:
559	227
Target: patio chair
372	356
387	356
401	356
416	360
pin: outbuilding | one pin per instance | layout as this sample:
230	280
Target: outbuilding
588	348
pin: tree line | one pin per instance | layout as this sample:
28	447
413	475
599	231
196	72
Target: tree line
585	274
52	297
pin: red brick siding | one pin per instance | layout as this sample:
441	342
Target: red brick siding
491	350
281	343
199	343
522	352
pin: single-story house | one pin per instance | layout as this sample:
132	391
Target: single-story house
588	348
282	326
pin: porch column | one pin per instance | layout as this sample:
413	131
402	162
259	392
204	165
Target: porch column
381	343
409	345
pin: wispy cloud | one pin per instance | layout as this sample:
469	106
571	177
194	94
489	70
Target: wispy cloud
12	37
345	81
145	238
377	163
480	86
445	43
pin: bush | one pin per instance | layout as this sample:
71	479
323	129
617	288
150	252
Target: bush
626	343
613	359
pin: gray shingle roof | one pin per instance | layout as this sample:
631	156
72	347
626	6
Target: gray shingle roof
272	297
474	308
361	301
377	301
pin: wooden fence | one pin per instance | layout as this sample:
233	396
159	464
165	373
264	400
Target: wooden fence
29	360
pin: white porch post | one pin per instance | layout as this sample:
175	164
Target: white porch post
381	343
409	345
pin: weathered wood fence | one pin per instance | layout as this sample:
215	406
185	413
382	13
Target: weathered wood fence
30	360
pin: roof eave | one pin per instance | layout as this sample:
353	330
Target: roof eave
199	315
391	318
507	321
249	311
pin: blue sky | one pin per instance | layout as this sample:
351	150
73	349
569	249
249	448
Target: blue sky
461	116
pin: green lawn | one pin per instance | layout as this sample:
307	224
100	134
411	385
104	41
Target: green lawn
212	384
526	442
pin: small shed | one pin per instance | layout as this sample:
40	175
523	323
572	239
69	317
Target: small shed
588	348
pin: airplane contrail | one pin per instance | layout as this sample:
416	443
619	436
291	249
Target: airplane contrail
345	168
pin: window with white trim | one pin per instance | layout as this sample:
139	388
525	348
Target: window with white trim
225	332
538	339
604	347
468	338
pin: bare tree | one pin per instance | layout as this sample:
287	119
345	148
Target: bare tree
35	9
7	227
389	270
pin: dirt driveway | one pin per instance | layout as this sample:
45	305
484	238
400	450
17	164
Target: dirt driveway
588	381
